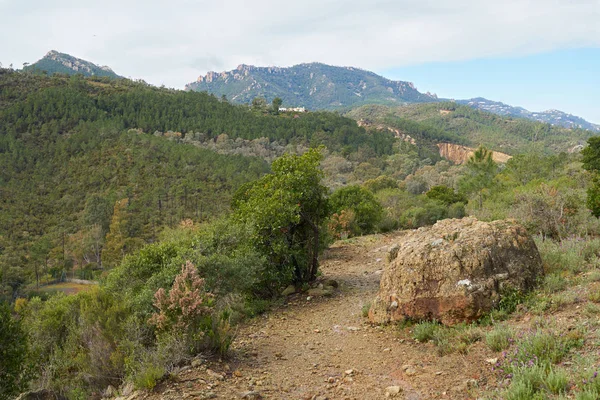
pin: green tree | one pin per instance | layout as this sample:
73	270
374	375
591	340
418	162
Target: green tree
287	210
277	102
13	354
367	210
98	211
259	103
114	249
446	195
40	255
481	170
591	162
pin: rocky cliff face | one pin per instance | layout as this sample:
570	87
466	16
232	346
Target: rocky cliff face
460	154
314	85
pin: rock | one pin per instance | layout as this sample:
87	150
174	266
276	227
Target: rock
410	371
109	392
43	394
127	389
317	292
393	253
491	360
331	282
459	279
196	362
288	290
392	391
215	375
252	395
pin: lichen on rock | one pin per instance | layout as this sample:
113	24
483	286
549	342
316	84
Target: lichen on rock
456	271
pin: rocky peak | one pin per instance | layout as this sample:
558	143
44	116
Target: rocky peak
55	61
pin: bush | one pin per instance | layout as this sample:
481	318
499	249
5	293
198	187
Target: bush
425	331
499	338
362	203
185	308
13	354
446	195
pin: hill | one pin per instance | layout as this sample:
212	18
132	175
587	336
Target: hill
552	117
450	122
60	63
314	86
78	155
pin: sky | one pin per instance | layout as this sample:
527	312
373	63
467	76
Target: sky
539	54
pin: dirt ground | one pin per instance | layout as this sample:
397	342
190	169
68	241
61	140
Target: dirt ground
323	348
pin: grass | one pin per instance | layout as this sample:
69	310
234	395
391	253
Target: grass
65	287
499	338
447	340
425	331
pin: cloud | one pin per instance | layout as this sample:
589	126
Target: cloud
172	43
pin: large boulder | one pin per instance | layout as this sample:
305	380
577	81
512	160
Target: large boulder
455	271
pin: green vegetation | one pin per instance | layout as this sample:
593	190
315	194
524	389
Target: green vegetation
288	211
454	123
361	207
13	354
167	199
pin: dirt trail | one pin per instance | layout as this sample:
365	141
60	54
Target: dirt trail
323	348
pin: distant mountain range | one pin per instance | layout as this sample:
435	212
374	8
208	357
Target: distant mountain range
54	62
315	86
324	87
553	117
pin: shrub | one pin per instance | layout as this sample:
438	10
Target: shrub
185	308
360	201
446	195
499	338
557	381
425	331
554	282
13	355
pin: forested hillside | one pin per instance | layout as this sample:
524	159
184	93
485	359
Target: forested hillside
455	123
91	169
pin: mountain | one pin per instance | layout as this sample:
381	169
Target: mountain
319	86
54	62
314	86
552	117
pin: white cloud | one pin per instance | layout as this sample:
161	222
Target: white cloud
173	42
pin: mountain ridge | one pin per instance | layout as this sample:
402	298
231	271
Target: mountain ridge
56	62
243	84
551	116
315	85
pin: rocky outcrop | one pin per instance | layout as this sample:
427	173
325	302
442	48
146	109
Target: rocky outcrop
382	127
456	271
460	154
